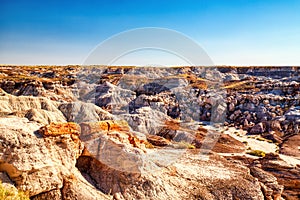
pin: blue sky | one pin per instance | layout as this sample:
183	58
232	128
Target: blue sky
232	32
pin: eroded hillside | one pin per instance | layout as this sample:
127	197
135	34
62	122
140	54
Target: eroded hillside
97	132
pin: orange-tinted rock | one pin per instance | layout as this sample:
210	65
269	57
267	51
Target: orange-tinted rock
157	140
107	125
57	129
117	131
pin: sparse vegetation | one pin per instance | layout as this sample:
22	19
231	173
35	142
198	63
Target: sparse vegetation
9	193
258	153
35	73
149	145
260	139
184	145
263	139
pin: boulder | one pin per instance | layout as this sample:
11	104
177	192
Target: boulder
157	140
104	126
57	129
258	129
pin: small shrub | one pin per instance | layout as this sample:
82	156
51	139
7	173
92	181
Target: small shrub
9	193
245	142
191	146
263	139
149	145
258	153
184	145
260	139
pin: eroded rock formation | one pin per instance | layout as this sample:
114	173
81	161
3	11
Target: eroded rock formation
146	133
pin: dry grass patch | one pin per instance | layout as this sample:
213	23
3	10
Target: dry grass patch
10	193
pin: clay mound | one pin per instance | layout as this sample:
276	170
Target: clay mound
291	146
227	144
83	112
12	103
201	138
44	116
39	109
219	142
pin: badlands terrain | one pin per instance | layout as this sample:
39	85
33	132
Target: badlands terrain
96	132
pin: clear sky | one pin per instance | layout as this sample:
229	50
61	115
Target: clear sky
232	32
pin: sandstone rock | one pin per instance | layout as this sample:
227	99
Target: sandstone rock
257	129
41	165
112	143
227	144
286	174
30	88
57	129
274	136
104	126
117	151
44	116
231	77
157	140
113	98
147	120
293	114
201	137
37	109
231	107
275	125
53	194
291	146
189	178
83	112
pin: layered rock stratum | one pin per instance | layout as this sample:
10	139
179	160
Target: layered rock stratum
97	132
